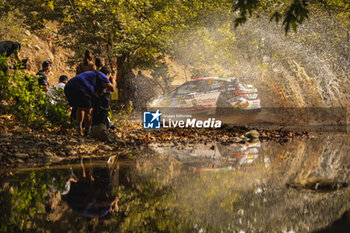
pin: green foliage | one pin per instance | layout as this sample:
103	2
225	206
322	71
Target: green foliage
28	102
120	116
24	198
244	7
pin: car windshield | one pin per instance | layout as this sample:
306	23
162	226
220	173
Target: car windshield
204	85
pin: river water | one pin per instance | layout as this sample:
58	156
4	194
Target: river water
208	187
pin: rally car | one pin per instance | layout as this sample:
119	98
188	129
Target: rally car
212	95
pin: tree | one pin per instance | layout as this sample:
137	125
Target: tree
140	32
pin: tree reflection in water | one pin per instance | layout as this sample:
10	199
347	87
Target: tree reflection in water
160	192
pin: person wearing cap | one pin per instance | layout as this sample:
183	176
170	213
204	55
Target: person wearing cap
43	82
80	92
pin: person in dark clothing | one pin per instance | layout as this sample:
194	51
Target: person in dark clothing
101	105
7	48
80	91
42	78
99	63
10	47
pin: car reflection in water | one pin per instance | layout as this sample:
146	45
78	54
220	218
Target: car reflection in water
212	156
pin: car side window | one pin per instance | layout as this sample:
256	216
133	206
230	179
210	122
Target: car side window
218	85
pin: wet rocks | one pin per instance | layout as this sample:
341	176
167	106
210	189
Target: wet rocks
99	132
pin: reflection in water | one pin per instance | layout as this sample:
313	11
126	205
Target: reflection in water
88	192
160	191
211	156
90	196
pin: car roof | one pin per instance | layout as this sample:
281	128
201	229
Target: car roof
214	78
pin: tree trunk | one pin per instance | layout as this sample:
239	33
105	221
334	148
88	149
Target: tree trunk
125	88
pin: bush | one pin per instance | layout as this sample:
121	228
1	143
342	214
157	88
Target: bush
23	98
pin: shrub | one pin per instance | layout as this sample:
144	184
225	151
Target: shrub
26	100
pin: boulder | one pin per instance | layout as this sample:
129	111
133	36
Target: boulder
100	132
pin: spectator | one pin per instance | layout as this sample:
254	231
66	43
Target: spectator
99	63
87	64
80	91
56	93
101	105
7	48
43	82
10	47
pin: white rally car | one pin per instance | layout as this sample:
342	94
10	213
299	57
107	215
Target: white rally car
211	95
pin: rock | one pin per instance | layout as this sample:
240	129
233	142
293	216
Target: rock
49	154
21	155
100	132
252	134
106	148
27	32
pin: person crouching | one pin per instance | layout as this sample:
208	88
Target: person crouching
80	91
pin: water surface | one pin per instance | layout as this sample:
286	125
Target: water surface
184	188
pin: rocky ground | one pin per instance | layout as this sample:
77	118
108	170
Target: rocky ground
21	146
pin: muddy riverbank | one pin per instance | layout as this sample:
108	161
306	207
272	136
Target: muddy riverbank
22	146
